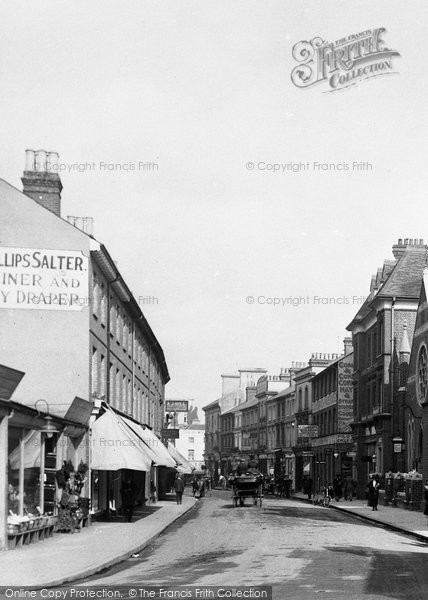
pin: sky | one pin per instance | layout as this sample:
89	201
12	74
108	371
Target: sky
157	108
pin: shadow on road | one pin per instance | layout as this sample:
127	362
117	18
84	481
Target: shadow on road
393	574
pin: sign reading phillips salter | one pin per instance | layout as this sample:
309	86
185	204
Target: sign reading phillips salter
342	63
32	278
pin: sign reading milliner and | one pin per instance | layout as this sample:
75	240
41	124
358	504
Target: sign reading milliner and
344	62
32	278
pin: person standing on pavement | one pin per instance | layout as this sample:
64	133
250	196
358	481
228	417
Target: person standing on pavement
179	488
337	486
373	491
128	492
348	488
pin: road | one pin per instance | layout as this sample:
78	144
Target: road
303	551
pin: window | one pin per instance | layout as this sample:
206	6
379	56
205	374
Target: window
103	304
94	370
190	455
422	374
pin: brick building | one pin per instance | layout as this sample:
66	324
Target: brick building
378	328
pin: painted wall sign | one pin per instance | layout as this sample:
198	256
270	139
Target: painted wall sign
36	279
345	403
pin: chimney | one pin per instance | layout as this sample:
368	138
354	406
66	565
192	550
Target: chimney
41	181
399	248
347	346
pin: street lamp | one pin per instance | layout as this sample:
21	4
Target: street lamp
49	428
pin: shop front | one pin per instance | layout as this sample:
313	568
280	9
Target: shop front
123	450
33	445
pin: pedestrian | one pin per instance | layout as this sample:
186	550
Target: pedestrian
307	486
179	488
349	488
373	491
128	492
208	484
152	491
201	488
194	486
287	486
337	487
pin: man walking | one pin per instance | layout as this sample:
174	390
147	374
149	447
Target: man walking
128	492
179	488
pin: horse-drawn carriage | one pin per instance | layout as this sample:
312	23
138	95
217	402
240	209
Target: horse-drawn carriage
247	485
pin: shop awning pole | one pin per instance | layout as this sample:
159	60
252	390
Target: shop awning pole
21	471
42	473
3	481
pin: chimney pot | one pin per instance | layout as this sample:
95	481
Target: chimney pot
52	162
29	160
41	160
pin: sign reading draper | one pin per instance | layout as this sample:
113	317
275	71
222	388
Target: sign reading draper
32	278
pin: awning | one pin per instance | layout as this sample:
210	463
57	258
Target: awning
79	411
152	444
32	445
183	465
114	447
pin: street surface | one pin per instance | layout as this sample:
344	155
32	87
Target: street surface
303	551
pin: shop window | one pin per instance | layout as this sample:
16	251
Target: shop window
26	445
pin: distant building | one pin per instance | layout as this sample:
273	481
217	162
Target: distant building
332	415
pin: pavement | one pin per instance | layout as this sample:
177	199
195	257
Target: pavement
66	557
409	522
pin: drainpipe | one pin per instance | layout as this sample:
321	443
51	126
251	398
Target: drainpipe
108	479
391	368
109	284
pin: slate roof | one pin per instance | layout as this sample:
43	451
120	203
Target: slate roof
405	278
400	278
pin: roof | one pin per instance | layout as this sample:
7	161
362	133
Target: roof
212	404
283	393
401	278
405	279
248	404
196	427
234	409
